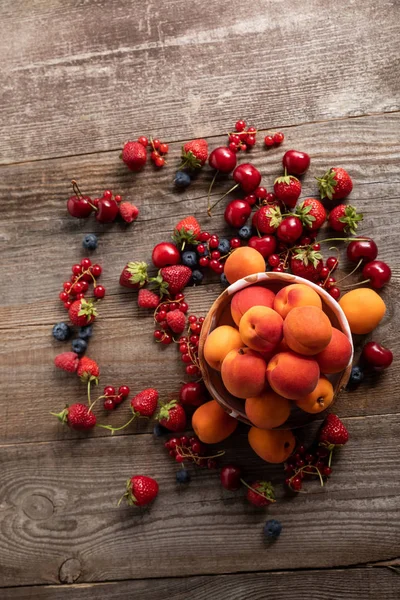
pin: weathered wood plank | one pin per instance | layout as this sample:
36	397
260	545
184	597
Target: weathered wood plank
58	504
349	584
81	77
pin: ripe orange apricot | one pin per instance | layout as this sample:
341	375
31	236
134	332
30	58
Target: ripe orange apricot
272	445
219	343
242	262
254	295
336	356
319	399
307	330
363	308
296	294
212	424
268	410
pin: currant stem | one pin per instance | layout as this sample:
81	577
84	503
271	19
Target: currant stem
209	207
222	197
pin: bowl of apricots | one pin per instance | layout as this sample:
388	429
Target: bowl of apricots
275	349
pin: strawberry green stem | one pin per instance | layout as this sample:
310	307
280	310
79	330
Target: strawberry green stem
113	429
88	393
256	491
209	207
222	197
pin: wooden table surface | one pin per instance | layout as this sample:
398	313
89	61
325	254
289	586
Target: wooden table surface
78	78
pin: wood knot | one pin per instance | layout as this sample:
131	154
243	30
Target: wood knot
38	507
70	570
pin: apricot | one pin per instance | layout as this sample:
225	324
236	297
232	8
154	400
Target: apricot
225	317
243	373
272	445
219	343
212	424
319	399
242	262
268	410
291	375
307	330
261	328
297	294
363	308
255	295
335	357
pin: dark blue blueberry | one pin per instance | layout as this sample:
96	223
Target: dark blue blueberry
90	241
79	346
159	430
272	529
61	332
189	259
356	376
85	332
245	232
224	281
224	246
197	276
183	476
182	179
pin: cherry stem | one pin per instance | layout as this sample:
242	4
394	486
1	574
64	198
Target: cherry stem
351	272
113	429
209	193
76	189
222	197
346	287
354	239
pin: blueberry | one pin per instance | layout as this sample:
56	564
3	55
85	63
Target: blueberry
189	259
160	430
224	281
245	232
272	529
224	246
197	276
79	346
356	376
90	241
183	476
61	331
85	332
182	179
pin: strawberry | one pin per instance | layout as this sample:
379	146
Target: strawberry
344	218
287	189
172	416
88	369
311	213
336	184
77	416
82	312
194	154
67	361
140	490
129	212
148	299
267	218
134	275
176	320
260	493
186	232
144	404
333	432
306	263
171	280
134	156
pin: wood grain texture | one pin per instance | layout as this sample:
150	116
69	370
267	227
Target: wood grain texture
83	76
349	584
58	504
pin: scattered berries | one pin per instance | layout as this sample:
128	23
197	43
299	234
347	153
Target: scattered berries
82	312
356	377
134	156
79	346
183	476
333	432
182	180
194	154
148	299
172	416
90	241
129	212
61	331
134	275
67	361
344	218
88	369
140	491
145	403
272	529
336	184
77	416
176	320
260	493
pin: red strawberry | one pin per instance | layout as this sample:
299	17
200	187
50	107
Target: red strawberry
148	299
172	416
140	490
186	232
129	212
267	218
67	361
333	432
312	213
134	275
88	369
287	189
171	280
77	416
194	154
82	312
306	263
260	493
145	403
344	218
176	320
335	184
134	156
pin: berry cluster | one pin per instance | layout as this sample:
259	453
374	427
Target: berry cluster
112	398
258	493
185	449
274	140
242	138
134	153
189	346
212	251
170	319
106	208
159	149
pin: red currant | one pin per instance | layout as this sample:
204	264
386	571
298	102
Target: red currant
278	269
269	140
67	285
183	348
334	292
99	291
261	193
167	339
250	199
96	270
186	358
270	198
274	260
143	140
192	370
77	287
85	285
204	261
316	247
109	390
332	263
156	143
234	139
158	334
194	339
107	194
201	249
173	306
63	296
164	148
204	236
215	254
240	125
76	269
251	140
159	161
109	404
213	242
324	272
86	263
124	390
192	319
278	138
183	307
235	243
67	305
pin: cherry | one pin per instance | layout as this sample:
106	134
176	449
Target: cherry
99	291
230	477
362	250
237	212
265	245
377	272
240	125
248	177
79	206
165	254
290	230
107	210
193	393
222	159
377	356
296	162
269	140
